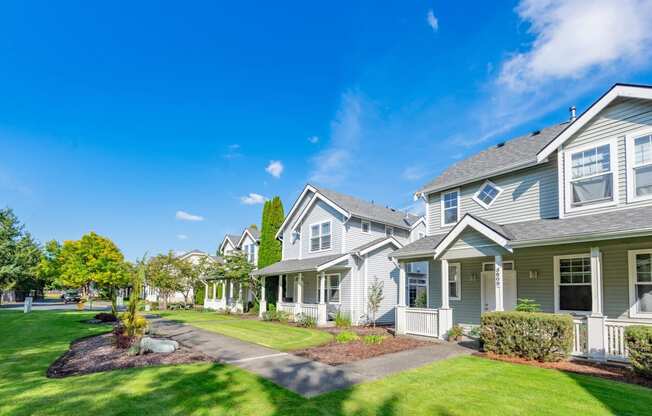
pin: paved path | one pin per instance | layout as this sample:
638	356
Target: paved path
301	375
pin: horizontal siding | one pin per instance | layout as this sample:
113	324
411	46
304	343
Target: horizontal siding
380	267
622	117
319	212
528	194
291	248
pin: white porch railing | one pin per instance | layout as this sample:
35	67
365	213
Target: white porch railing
580	338
614	339
422	321
310	310
289	308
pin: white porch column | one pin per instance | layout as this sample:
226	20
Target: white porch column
445	321
498	270
299	294
279	295
223	283
229	299
205	292
595	322
262	308
400	309
322	312
214	290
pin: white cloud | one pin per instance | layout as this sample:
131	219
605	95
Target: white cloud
332	165
182	236
275	168
184	216
573	38
313	139
432	20
252	199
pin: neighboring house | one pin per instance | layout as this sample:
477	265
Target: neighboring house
224	294
151	294
562	216
334	246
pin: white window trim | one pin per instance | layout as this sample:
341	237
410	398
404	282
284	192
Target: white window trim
630	162
557	279
458	286
441	204
362	223
504	263
631	258
389	231
427	277
330	227
339	287
476	196
613	168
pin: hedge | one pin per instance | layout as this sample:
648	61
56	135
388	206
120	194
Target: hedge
534	336
638	339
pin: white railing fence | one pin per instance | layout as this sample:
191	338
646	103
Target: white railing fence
309	310
288	308
421	321
580	337
614	340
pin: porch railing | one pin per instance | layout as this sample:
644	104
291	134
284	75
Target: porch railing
614	340
309	310
580	337
422	321
289	308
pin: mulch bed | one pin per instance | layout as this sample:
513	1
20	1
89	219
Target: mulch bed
609	371
334	353
98	353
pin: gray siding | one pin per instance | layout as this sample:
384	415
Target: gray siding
622	117
414	234
379	266
528	194
321	212
290	248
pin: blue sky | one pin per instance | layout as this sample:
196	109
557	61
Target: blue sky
163	126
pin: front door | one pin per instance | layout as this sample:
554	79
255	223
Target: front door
489	290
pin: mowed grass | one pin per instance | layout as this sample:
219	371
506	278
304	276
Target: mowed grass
269	334
459	386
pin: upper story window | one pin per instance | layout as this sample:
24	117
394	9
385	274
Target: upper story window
389	231
590	176
450	207
487	194
366	227
249	251
320	236
639	160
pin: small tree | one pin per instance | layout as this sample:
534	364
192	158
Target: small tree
191	275
162	272
236	267
375	298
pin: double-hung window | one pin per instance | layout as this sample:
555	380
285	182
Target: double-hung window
389	231
639	160
640	283
418	291
366	227
320	236
455	281
487	194
333	292
573	278
590	176
450	207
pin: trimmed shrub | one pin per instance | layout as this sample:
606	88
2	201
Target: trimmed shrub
106	317
199	294
346	336
342	320
373	339
275	315
306	321
531	335
527	305
638	339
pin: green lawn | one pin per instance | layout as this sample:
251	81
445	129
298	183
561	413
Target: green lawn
461	386
269	334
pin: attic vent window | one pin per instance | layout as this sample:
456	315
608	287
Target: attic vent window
487	194
499	145
536	132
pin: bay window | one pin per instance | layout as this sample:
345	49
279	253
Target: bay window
320	236
590	175
640	283
573	283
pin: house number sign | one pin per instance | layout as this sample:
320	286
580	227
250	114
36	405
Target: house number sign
499	277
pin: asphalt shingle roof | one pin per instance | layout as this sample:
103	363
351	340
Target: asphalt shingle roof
254	231
512	155
295	265
368	210
423	246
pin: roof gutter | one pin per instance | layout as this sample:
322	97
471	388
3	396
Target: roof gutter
583	238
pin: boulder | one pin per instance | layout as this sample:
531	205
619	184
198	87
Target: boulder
157	345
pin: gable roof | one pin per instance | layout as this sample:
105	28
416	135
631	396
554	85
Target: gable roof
615	92
252	232
352	206
516	153
233	239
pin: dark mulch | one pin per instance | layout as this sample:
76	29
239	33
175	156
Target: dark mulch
98	353
609	371
334	353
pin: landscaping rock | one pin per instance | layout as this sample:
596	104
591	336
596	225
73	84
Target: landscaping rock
156	345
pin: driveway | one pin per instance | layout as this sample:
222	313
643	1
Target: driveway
300	375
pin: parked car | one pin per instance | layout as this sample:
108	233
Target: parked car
71	296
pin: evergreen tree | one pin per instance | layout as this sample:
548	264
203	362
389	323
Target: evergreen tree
263	250
270	247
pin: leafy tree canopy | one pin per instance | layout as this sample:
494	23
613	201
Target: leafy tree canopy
19	253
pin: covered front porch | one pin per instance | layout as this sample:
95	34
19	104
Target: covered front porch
224	295
308	288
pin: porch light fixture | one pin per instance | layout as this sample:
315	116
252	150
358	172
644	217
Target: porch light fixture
534	274
474	276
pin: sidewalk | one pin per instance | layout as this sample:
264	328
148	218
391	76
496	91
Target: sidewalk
300	375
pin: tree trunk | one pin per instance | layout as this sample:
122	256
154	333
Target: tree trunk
114	301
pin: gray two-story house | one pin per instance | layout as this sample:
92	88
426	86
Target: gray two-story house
561	216
334	248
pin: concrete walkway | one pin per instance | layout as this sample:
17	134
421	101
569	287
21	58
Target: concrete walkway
300	375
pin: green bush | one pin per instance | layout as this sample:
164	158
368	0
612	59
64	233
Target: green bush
638	339
346	336
373	339
342	320
455	332
199	294
531	335
275	315
306	321
527	305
